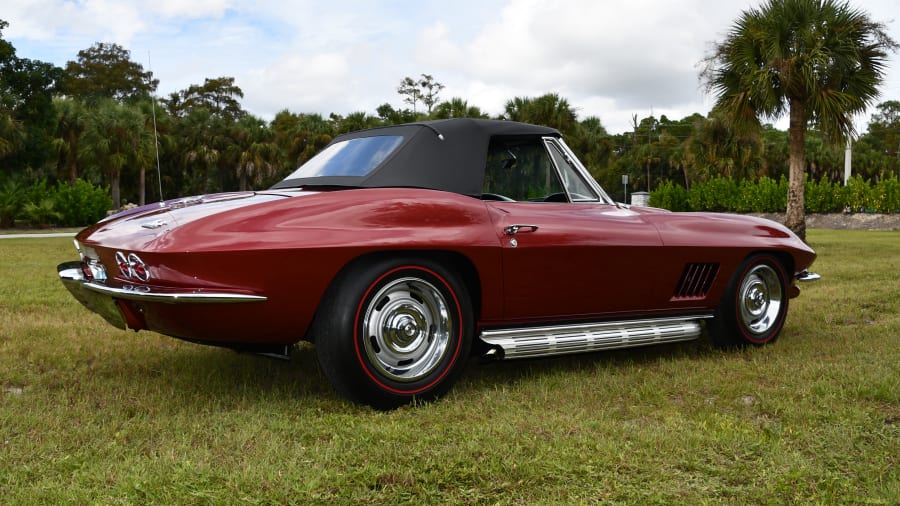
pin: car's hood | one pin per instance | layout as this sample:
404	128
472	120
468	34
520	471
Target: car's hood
135	228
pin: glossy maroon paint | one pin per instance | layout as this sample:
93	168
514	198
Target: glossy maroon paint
584	261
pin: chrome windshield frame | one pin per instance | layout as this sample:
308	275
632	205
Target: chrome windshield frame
583	172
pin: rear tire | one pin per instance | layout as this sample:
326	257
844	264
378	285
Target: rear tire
754	307
394	330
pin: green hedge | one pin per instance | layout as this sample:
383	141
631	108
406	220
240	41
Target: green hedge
767	195
83	203
43	205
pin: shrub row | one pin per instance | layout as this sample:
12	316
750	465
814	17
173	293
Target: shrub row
767	195
43	205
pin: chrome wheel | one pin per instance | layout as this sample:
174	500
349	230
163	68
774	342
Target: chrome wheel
407	328
759	299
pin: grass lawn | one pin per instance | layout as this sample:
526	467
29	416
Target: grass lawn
92	414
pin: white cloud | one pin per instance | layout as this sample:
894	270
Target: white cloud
626	55
297	82
190	9
28	20
118	22
610	59
46	20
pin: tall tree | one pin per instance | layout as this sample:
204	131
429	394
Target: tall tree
71	122
430	91
27	117
391	116
155	134
593	144
409	88
106	71
253	151
203	138
425	90
300	136
818	60
114	139
12	135
456	107
354	121
549	110
219	95
884	131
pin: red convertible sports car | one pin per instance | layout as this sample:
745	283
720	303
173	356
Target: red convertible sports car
402	251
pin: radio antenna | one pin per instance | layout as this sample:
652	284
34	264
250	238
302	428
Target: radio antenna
155	135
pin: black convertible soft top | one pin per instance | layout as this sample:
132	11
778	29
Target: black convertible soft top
446	155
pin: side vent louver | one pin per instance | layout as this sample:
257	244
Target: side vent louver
695	281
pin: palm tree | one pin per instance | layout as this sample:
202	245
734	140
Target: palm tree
548	110
12	134
201	138
113	139
72	119
253	151
456	107
300	136
354	121
593	143
818	60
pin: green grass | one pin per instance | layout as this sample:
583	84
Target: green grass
91	414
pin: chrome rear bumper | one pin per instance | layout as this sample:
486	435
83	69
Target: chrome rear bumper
102	299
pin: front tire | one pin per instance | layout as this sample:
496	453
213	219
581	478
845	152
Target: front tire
755	304
394	330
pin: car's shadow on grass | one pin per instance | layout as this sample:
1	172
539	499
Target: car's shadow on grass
514	371
198	375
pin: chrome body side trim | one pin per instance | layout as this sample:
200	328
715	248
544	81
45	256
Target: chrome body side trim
580	338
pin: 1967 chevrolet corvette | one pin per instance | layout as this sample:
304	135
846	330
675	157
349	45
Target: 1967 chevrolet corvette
402	251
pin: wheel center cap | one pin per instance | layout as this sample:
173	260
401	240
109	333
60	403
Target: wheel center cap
404	331
757	298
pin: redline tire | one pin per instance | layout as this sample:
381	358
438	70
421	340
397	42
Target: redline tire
754	308
393	331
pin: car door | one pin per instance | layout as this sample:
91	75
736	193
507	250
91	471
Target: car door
567	252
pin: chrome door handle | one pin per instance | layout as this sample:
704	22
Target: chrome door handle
514	229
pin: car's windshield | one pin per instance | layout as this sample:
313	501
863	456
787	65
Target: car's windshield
353	157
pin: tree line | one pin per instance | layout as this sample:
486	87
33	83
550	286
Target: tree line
98	120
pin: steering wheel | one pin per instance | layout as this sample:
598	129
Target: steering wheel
557	197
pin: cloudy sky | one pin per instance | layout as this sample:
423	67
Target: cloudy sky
609	58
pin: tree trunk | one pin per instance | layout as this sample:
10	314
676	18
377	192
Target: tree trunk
142	186
72	159
72	169
796	213
114	187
